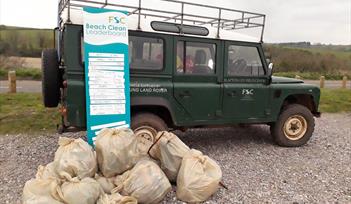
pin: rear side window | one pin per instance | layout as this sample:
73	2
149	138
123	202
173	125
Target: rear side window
145	53
195	58
244	61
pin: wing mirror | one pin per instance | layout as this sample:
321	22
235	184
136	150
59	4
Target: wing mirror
270	69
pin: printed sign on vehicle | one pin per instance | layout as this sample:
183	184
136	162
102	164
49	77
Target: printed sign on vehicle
247	92
106	70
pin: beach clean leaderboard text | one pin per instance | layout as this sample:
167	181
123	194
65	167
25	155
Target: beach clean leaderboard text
106	70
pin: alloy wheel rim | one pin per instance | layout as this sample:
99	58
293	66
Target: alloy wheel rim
295	127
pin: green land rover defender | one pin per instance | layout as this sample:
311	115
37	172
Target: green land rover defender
187	70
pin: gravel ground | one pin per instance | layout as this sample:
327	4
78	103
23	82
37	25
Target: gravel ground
254	169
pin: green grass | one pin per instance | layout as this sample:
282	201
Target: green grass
22	73
312	75
25	113
35	74
335	100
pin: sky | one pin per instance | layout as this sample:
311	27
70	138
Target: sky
316	21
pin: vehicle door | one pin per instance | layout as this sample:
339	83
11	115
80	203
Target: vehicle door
246	89
196	78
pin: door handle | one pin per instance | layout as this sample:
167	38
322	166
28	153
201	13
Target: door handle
231	93
184	94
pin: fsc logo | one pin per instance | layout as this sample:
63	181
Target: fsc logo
247	92
116	19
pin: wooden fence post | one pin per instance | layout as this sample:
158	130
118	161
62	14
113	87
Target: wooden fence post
344	82
297	77
321	82
12	81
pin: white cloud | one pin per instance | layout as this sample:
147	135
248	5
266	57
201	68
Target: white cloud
29	13
326	21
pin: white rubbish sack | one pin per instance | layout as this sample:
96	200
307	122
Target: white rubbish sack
118	150
41	191
145	181
169	150
198	178
106	183
75	157
116	198
46	172
76	191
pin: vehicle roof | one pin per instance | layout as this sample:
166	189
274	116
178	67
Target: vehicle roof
145	25
221	23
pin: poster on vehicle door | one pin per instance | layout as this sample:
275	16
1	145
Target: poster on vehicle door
106	70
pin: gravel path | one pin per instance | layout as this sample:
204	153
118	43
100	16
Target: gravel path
254	169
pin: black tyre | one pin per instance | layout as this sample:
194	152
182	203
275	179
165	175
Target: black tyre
294	127
51	78
147	125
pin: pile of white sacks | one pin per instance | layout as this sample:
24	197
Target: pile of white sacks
124	169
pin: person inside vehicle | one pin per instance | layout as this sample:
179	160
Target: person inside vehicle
180	57
186	66
189	64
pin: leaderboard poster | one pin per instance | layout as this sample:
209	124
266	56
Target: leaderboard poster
106	70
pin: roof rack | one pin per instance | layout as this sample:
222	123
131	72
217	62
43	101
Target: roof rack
221	18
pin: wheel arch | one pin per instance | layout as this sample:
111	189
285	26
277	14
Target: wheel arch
306	100
155	105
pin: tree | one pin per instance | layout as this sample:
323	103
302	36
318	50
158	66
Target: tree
42	40
13	41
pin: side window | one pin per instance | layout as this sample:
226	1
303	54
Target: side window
145	53
244	61
195	58
82	50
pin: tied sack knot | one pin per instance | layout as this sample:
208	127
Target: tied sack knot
63	141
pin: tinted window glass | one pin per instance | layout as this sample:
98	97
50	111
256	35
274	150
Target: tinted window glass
195	58
82	49
244	61
145	53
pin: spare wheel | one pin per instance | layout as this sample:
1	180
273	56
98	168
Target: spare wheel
51	78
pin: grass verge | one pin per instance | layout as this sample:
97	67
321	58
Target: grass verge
25	113
35	74
313	75
22	73
335	100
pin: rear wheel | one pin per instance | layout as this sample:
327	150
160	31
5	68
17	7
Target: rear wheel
294	127
147	125
50	78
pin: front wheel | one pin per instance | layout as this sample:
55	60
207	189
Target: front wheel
147	125
294	127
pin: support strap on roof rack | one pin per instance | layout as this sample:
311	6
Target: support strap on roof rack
105	4
139	11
